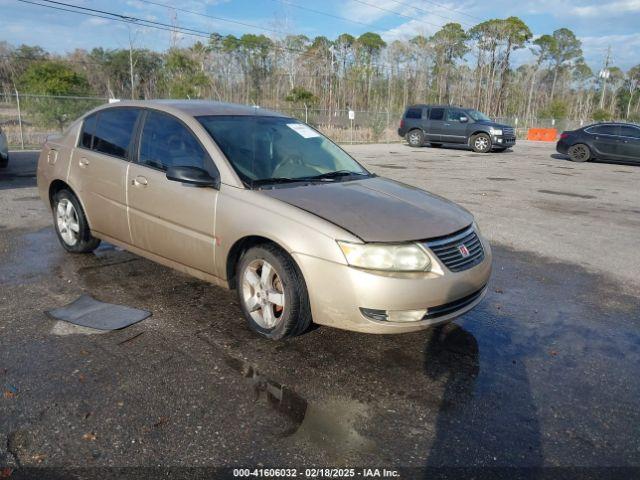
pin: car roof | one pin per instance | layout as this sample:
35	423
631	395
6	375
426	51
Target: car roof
420	105
197	108
611	123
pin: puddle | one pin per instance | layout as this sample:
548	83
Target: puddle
390	166
38	254
567	194
329	425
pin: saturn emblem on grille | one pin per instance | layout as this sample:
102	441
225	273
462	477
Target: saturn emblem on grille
464	251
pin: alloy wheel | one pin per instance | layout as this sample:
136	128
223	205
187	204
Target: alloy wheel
580	152
263	293
67	221
481	143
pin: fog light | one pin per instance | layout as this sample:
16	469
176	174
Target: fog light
499	140
394	315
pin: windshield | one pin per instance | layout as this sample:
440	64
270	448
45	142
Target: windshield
478	116
275	149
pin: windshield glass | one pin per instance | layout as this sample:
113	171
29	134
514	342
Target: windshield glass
263	149
478	116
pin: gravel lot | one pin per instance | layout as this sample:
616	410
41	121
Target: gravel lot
544	372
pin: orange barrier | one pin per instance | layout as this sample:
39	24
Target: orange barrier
542	134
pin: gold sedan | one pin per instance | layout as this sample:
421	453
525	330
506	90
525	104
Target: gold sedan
256	201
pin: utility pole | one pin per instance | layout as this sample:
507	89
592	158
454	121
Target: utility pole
604	75
131	76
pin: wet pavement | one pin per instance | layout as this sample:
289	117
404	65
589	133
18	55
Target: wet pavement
544	372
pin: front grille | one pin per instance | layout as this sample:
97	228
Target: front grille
447	308
459	251
508	132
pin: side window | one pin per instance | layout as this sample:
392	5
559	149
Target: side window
88	131
114	131
628	131
454	115
605	130
166	142
414	113
436	114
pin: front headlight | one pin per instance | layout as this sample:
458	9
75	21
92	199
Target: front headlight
376	256
495	131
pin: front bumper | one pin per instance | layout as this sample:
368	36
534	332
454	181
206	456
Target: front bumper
338	292
502	141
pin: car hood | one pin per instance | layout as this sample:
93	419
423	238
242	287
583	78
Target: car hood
377	209
493	124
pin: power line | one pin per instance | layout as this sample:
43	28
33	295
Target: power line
326	14
200	14
404	4
388	10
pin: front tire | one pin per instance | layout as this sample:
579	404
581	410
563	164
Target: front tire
415	138
481	143
579	152
272	293
71	224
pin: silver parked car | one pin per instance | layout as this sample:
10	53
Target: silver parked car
256	201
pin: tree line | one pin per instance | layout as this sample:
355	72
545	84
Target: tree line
473	67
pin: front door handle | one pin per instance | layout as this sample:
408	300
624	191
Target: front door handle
84	162
139	181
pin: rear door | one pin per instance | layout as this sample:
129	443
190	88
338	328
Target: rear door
436	124
99	169
454	131
629	147
168	218
605	139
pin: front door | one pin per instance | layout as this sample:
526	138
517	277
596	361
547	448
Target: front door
454	131
168	218
99	169
629	146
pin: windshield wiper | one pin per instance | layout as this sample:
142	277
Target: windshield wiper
336	174
266	181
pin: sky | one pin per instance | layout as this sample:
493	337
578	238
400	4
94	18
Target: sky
599	24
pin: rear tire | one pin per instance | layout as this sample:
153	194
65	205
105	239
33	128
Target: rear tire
415	138
272	293
579	152
435	145
481	143
71	224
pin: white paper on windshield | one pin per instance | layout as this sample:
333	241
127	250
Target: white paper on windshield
303	130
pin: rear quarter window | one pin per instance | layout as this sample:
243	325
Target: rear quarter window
413	113
114	130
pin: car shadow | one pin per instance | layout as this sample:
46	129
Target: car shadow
559	156
478	417
457	146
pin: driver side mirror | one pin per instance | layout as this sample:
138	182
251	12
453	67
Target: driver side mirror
464	119
193	176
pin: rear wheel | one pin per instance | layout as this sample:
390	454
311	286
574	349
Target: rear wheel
481	143
415	138
272	293
579	152
71	224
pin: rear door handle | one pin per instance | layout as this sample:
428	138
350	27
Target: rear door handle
84	162
139	181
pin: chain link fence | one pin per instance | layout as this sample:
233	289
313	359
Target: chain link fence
27	120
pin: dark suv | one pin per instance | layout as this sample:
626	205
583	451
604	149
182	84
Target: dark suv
438	124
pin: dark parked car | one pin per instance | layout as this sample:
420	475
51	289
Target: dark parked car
438	124
604	141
